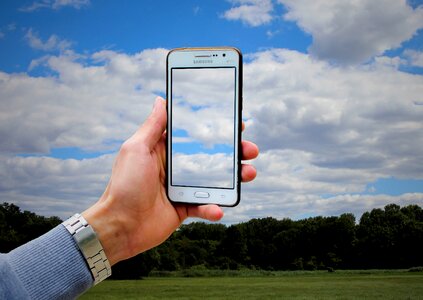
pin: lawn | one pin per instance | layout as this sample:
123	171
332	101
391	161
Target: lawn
369	285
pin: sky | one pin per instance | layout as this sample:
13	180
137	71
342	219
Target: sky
333	96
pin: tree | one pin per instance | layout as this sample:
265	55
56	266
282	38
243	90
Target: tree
17	227
233	249
388	236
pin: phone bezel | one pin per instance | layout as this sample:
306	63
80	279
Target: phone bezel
222	196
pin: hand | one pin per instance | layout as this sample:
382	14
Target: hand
134	213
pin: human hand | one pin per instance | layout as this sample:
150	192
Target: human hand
134	213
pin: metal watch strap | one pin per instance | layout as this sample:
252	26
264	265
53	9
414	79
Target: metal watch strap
90	247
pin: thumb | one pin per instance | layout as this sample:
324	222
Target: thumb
152	130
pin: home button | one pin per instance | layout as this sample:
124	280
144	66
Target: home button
201	195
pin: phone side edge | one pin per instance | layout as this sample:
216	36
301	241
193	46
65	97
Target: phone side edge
240	108
167	171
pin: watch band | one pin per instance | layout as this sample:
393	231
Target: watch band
90	247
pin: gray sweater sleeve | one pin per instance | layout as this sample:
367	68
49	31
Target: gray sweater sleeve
49	267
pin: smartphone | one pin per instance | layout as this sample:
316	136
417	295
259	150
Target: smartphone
204	105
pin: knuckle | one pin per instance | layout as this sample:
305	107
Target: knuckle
127	147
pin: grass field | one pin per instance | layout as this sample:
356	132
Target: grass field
320	285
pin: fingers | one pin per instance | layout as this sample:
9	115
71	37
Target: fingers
248	173
249	150
208	212
151	131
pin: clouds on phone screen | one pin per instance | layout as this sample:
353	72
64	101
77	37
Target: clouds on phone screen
203	170
203	126
203	105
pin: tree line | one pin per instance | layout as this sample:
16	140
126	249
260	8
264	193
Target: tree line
386	238
18	227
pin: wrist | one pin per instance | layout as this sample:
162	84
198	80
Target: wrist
109	231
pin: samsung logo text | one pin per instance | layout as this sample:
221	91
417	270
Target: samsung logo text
203	61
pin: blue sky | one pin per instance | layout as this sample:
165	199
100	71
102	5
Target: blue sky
333	97
198	147
129	26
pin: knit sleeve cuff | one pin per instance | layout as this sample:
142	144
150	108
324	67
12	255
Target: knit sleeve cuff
52	266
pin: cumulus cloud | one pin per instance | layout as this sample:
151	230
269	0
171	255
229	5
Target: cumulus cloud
298	206
209	126
54	4
202	169
250	12
354	31
6	29
53	43
52	186
362	118
346	32
415	58
203	105
93	107
326	132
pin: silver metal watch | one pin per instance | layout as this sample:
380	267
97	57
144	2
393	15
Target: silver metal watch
90	247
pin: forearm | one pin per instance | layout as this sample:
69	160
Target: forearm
50	267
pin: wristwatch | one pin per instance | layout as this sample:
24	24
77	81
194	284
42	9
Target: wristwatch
90	246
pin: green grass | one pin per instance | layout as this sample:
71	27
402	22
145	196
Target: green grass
302	285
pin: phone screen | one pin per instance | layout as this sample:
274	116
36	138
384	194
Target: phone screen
203	127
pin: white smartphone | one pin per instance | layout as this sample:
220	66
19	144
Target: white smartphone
204	104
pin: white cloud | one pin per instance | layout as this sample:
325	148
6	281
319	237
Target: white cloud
415	57
208	126
250	12
8	28
92	107
203	105
354	31
202	169
389	62
271	34
360	118
54	4
293	171
327	132
11	27
297	206
52	186
52	44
